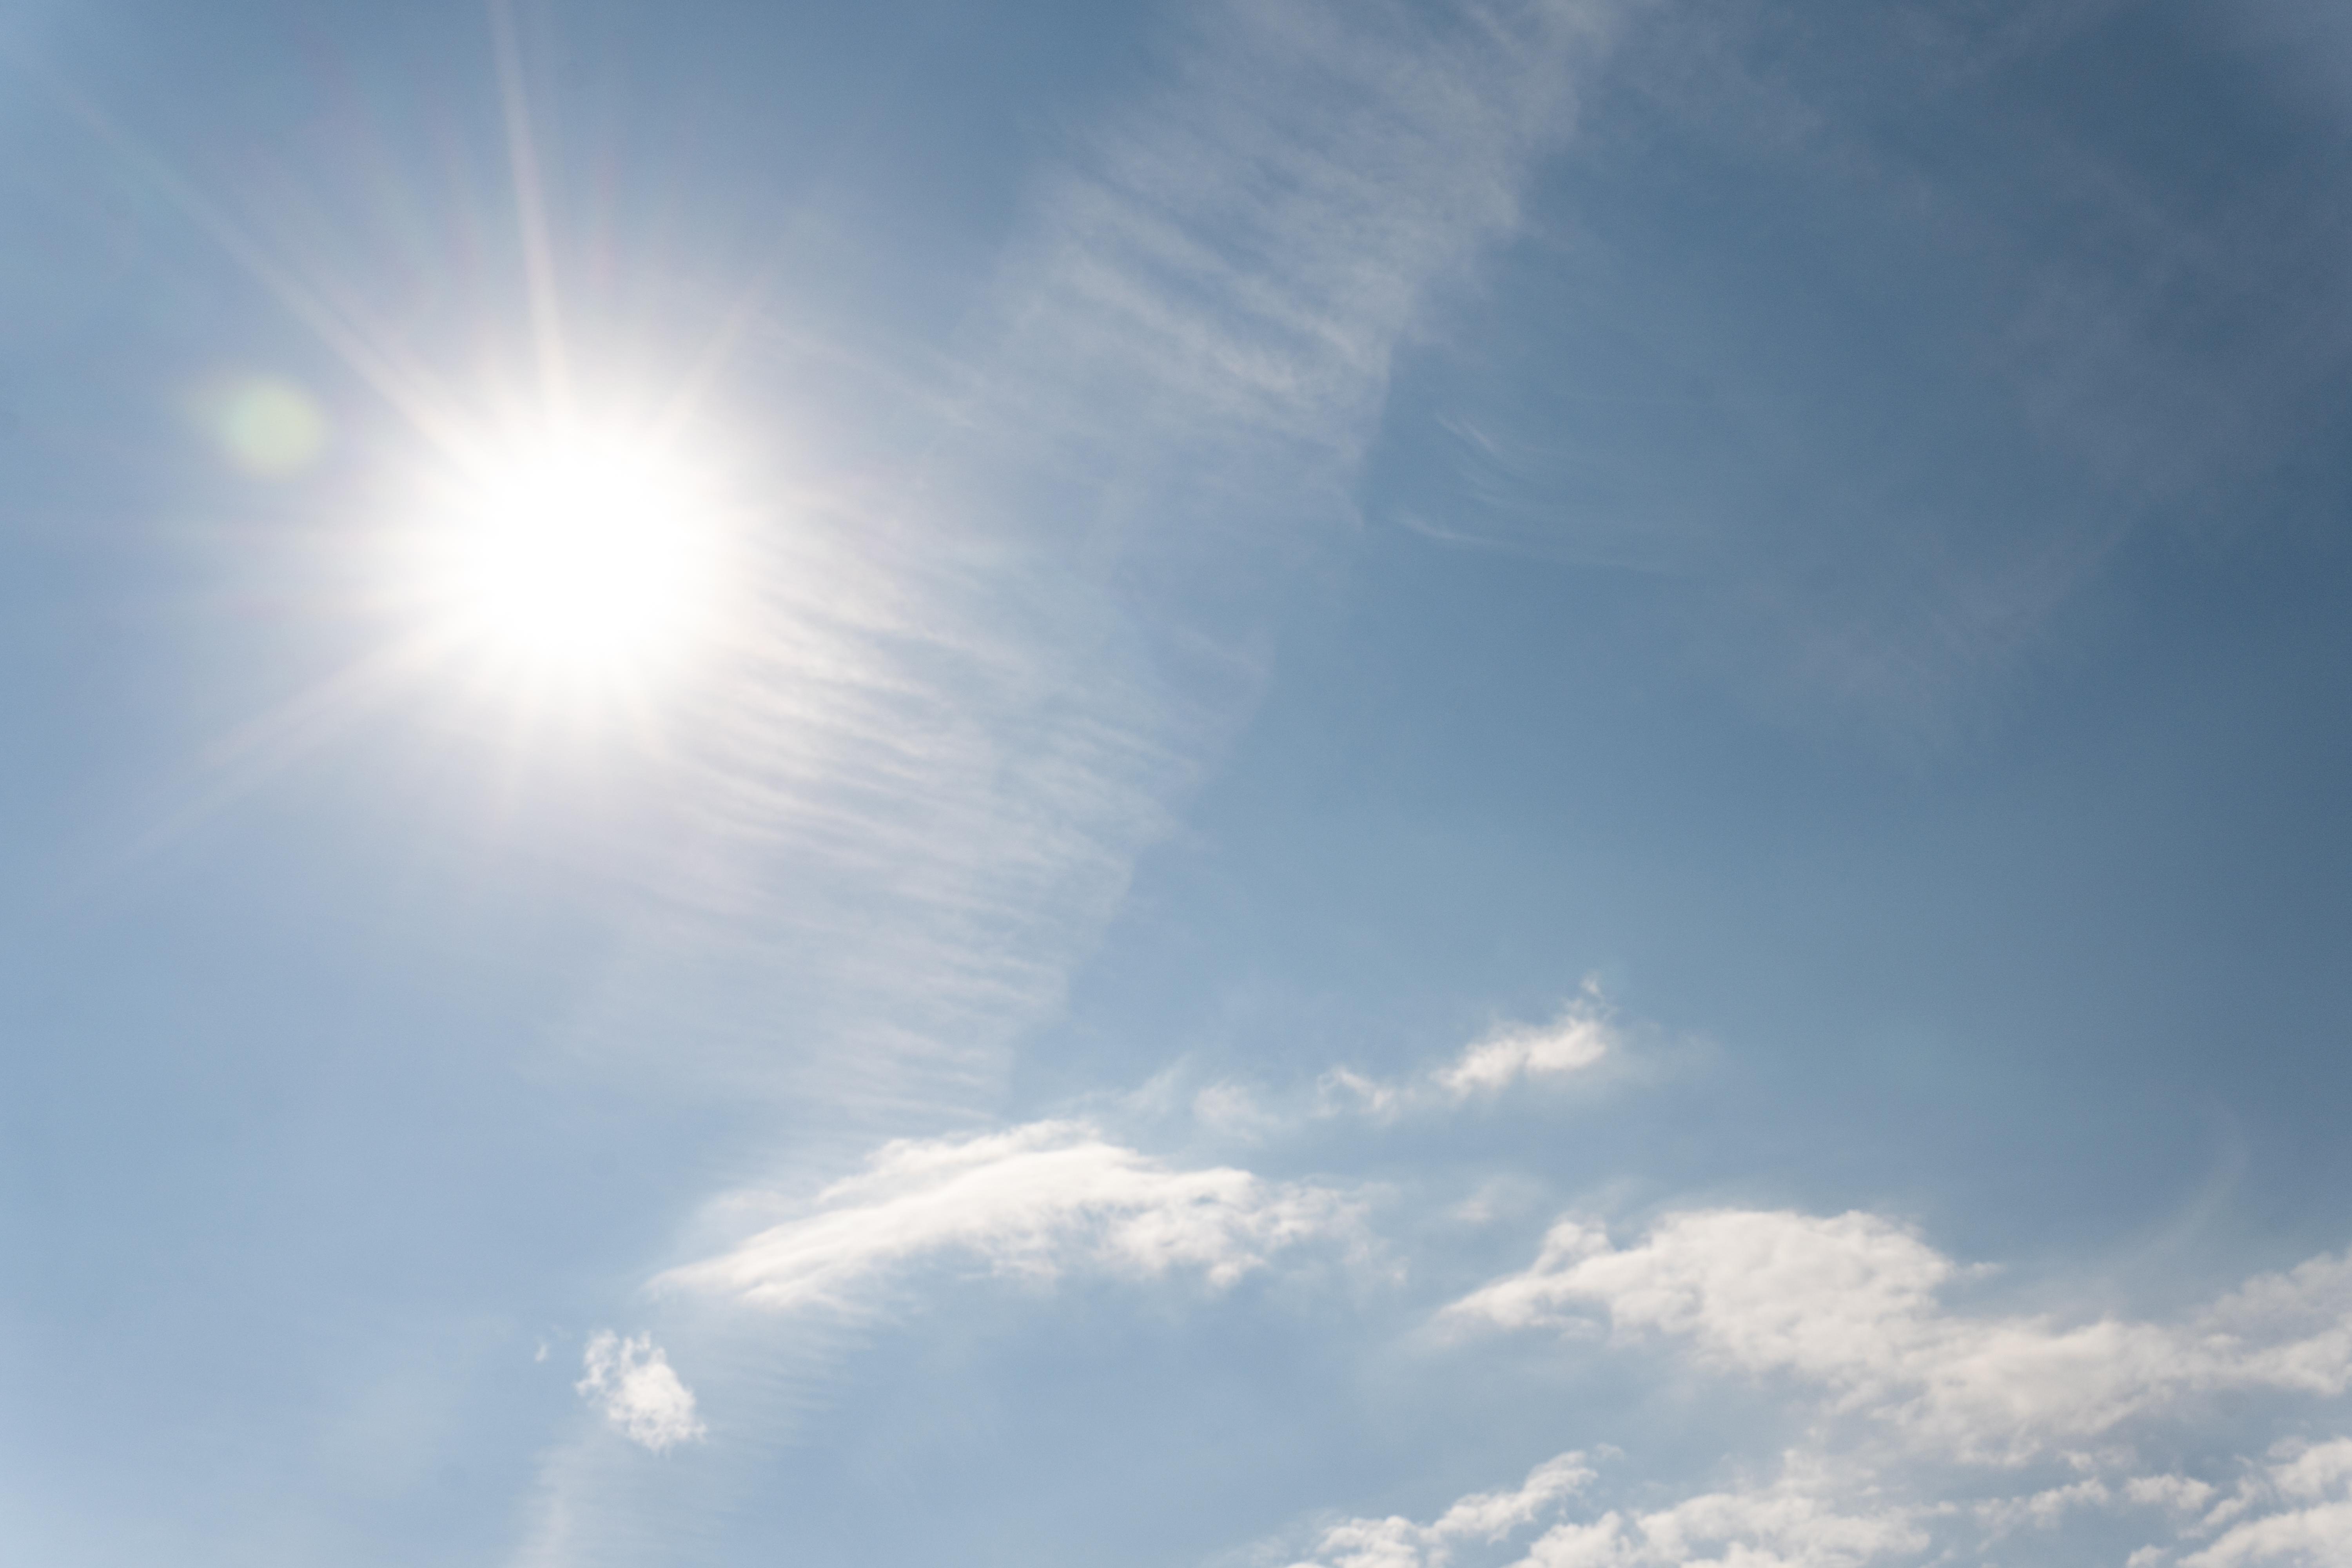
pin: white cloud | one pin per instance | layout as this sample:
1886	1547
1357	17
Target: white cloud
1793	1521
1830	1510
631	1381
1398	1543
1583	1037
1578	1039
2046	1509
2301	1508
2180	1492
1909	1406
1851	1303
912	792
1784	1525
1032	1201
1238	259
1232	1110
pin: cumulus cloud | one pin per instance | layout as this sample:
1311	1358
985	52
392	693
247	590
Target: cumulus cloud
1583	1037
2296	1511
1851	1303
1792	1521
2046	1509
1820	1509
631	1381
1034	1201
1398	1543
1785	1525
1931	1433
1578	1039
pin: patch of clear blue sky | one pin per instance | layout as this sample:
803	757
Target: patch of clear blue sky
1861	570
1962	916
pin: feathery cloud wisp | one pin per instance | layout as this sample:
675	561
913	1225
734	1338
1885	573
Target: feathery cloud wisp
1032	1201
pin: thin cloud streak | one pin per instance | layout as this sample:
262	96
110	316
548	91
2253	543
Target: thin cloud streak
993	657
982	676
1033	1202
1241	258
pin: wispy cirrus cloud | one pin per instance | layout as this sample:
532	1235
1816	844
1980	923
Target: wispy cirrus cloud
1241	254
991	656
1034	1202
1016	601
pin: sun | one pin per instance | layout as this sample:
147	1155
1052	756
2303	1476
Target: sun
576	552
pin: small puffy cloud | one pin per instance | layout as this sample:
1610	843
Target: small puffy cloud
2183	1494
1583	1037
2313	1536
1383	1100
2323	1470
2296	1326
1578	1039
1031	1201
1794	1521
2046	1509
1786	1524
631	1381
2295	1512
1398	1543
1851	1303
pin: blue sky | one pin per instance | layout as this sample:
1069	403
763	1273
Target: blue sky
1549	784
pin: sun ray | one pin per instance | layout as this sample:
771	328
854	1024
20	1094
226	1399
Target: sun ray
406	387
717	351
248	756
531	212
551	561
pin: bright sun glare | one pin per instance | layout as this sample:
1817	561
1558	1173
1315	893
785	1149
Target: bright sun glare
578	554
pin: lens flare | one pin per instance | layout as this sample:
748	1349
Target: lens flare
268	428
